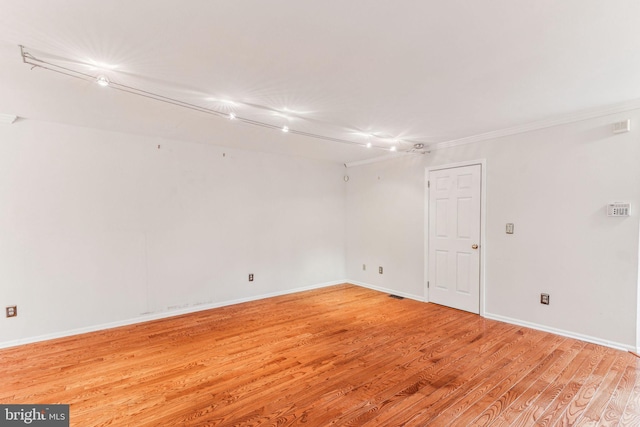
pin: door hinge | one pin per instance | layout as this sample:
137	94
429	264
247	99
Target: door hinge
428	184
427	284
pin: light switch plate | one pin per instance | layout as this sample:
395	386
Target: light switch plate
510	228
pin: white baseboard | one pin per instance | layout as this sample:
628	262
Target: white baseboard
201	307
387	291
562	332
146	317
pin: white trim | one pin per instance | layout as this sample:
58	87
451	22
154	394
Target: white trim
386	290
147	317
518	322
483	224
425	260
562	332
637	350
542	124
527	127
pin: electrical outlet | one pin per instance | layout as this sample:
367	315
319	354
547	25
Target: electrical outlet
251	277
509	228
544	299
380	270
12	311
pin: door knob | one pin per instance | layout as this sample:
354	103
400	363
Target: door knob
474	246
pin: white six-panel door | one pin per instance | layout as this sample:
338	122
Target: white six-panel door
454	237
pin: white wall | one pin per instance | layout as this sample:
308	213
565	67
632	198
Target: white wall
99	227
553	184
385	215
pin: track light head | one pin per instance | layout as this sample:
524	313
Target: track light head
102	81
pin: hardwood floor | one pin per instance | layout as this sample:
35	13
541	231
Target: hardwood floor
342	355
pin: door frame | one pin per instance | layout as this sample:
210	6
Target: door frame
483	223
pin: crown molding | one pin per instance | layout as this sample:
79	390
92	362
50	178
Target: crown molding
527	127
542	124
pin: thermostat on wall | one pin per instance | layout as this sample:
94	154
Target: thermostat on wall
618	209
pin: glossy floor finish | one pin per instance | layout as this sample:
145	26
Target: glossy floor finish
342	355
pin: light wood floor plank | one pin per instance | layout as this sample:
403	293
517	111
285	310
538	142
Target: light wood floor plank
342	355
613	413
488	387
592	415
568	392
631	415
587	391
430	405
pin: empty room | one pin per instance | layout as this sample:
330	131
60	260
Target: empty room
343	213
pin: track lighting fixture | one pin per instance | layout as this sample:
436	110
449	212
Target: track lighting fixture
104	81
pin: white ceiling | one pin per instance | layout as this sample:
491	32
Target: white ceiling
406	70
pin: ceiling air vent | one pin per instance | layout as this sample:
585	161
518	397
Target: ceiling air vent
622	127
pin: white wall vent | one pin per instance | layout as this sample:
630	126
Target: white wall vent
622	127
618	209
